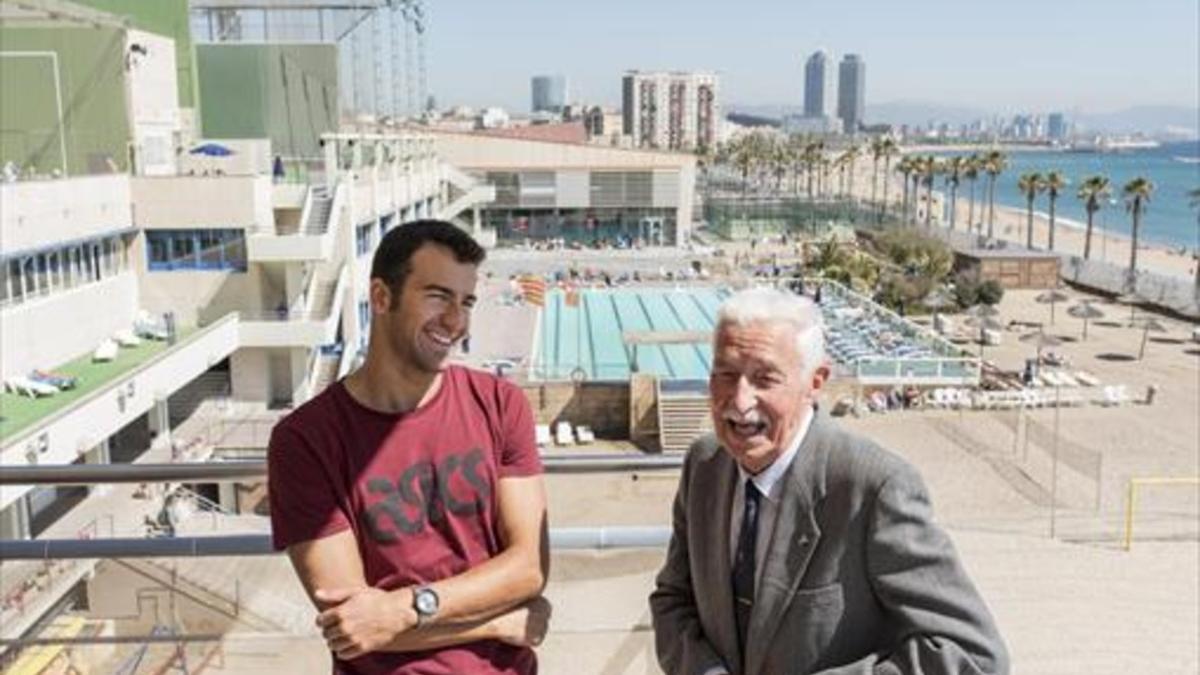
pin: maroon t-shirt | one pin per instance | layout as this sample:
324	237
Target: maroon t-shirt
418	490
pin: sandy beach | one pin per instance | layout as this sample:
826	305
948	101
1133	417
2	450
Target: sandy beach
1110	244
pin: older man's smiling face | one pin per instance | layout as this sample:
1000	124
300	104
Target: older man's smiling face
759	391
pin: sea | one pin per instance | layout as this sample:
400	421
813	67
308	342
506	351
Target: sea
1174	168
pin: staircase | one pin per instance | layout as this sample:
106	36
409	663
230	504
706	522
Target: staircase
322	301
318	214
183	403
327	370
683	414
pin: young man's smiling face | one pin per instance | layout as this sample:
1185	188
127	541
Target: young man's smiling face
432	310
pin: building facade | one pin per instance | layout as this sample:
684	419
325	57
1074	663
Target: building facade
818	85
852	92
671	110
549	93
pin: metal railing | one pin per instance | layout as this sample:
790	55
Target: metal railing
227	472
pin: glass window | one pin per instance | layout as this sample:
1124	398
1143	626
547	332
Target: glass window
183	250
18	284
210	249
43	274
191	250
56	281
235	250
4	279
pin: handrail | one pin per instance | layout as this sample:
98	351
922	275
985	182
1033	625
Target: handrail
53	417
224	472
561	538
305	210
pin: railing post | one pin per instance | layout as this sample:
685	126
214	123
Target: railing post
1130	500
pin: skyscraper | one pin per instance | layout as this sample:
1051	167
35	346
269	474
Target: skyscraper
675	111
549	93
852	94
818	85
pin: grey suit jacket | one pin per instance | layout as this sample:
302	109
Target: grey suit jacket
856	579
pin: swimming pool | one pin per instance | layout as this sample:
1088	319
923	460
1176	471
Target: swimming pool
587	338
872	344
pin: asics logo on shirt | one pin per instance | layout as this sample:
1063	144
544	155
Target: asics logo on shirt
424	493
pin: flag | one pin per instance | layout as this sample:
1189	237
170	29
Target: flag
533	289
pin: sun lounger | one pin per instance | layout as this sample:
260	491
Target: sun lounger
57	380
1113	395
1086	378
563	435
148	326
584	434
126	338
27	387
107	351
544	439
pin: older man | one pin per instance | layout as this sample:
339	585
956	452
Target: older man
798	547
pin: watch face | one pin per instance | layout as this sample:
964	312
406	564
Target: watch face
426	601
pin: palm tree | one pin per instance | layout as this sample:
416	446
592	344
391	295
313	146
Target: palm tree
889	148
1137	194
971	173
994	163
849	158
930	168
905	168
1030	184
1054	183
1094	192
953	170
876	153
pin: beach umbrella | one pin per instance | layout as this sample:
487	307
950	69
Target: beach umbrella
984	323
1052	297
1148	325
1086	311
211	150
982	311
936	300
1042	340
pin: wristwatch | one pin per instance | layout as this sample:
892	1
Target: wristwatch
425	604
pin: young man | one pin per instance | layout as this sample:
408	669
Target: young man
409	495
800	548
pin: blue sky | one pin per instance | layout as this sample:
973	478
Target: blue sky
1086	55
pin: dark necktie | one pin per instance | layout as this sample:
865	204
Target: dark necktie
743	564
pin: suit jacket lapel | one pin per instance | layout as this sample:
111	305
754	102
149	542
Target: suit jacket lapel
714	571
793	541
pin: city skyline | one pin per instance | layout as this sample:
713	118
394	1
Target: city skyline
937	51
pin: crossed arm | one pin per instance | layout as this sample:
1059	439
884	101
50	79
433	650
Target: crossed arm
498	599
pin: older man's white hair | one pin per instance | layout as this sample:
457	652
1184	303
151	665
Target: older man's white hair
770	305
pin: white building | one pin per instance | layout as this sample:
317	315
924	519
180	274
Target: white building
671	110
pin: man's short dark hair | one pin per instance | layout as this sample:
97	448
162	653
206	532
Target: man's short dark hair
393	259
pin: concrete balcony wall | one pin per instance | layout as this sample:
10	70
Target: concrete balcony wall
47	331
204	202
288	195
62	437
204	296
261	248
40	213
